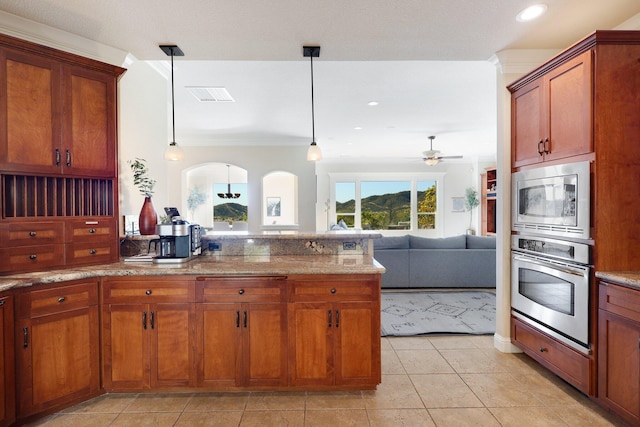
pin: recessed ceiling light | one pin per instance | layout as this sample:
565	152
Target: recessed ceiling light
357	128
210	94
372	103
531	12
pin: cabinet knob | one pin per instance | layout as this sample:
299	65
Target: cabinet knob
62	299
241	291
32	234
333	290
92	231
33	257
542	349
92	251
148	292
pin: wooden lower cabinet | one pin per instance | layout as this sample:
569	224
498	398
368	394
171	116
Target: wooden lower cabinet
148	345
242	345
569	364
7	366
619	351
57	358
335	342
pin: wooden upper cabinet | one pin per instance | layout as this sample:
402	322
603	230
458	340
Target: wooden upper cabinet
57	112
89	130
29	113
551	115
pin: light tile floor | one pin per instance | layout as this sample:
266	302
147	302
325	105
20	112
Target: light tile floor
427	381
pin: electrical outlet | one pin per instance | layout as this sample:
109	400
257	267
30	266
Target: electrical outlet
215	246
349	246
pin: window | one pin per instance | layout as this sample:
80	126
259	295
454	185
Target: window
230	210
390	202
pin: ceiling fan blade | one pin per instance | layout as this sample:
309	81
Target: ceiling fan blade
450	157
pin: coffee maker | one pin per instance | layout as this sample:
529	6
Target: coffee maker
178	241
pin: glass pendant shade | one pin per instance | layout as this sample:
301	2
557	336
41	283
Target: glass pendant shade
314	152
432	162
173	153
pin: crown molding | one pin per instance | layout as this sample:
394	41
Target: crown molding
35	32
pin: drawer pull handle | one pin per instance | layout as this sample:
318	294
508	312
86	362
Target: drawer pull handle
92	231
92	251
245	319
32	234
337	319
148	292
57	157
241	291
2	302
144	320
68	158
333	290
25	337
543	349
152	320
237	318
33	257
329	318
62	299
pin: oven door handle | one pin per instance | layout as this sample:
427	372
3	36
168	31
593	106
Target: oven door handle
549	265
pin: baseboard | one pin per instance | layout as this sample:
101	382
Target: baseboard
504	345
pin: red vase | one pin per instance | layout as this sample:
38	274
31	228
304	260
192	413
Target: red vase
148	218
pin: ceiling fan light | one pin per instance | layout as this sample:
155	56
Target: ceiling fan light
173	153
314	153
432	162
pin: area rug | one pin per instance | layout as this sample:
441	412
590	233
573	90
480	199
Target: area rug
417	313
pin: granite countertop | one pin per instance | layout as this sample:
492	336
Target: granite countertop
208	265
629	278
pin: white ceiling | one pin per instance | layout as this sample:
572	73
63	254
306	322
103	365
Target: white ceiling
425	61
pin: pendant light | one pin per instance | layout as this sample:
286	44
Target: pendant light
314	152
173	152
228	194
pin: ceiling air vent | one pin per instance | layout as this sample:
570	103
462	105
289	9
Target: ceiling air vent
210	94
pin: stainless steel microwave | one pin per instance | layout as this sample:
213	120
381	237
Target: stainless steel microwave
552	200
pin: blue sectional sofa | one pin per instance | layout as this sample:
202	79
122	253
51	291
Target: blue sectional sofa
464	261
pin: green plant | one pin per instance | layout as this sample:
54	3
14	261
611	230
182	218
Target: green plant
140	179
195	199
470	201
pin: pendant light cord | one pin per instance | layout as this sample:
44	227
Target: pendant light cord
313	125
173	104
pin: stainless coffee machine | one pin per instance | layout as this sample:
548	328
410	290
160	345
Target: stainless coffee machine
178	241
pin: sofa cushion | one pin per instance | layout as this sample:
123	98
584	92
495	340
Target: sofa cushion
454	242
391	242
480	242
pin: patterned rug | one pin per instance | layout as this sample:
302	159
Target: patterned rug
416	313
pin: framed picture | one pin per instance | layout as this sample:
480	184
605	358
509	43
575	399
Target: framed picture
457	204
273	206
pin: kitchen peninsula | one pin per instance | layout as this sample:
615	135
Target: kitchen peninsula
260	312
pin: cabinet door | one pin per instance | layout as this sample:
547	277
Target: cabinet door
356	328
172	344
527	126
569	89
311	344
125	346
619	364
264	344
29	113
58	360
89	137
7	367
218	344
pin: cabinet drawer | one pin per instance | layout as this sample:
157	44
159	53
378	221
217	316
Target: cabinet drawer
29	258
620	300
147	290
31	233
241	289
91	252
90	230
34	303
570	365
334	290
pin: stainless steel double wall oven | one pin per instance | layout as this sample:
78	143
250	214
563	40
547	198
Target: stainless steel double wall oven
550	255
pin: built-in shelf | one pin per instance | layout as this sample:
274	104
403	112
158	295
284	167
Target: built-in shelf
488	201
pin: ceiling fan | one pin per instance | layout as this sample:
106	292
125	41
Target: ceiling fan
432	157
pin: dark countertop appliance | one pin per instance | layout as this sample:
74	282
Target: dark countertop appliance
178	241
